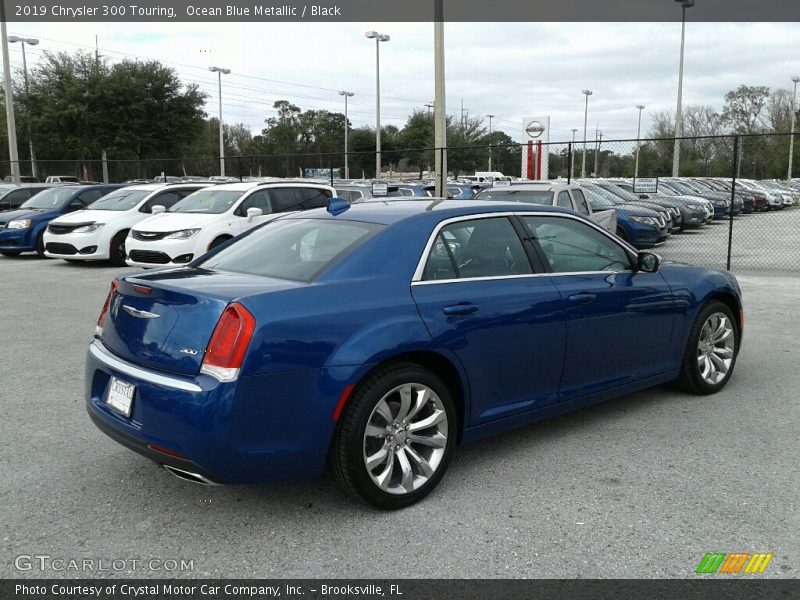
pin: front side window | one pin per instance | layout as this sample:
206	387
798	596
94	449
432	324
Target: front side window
571	246
295	249
90	196
564	200
477	248
258	199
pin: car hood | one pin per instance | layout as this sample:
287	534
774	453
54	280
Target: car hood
87	216
176	221
33	215
634	210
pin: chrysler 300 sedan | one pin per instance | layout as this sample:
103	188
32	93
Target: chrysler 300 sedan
377	337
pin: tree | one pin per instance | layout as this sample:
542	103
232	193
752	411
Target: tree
744	109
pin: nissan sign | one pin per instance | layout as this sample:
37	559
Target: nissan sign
535	129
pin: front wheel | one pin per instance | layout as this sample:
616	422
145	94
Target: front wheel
395	437
711	350
117	251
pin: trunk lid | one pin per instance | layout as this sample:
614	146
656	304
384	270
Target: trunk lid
164	320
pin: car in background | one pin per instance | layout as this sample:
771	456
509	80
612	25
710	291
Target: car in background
13	196
565	195
210	217
666	213
99	233
673	208
375	340
641	227
771	200
22	179
353	192
710	184
23	230
721	201
62	179
694	211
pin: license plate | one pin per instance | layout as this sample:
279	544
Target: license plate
120	396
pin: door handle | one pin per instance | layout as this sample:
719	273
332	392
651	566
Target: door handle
460	310
582	298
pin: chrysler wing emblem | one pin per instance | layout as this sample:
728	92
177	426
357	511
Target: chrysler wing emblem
140	314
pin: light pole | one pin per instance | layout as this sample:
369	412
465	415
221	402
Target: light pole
346	127
439	115
490	141
220	72
676	155
638	142
587	93
33	42
572	156
796	80
13	157
378	37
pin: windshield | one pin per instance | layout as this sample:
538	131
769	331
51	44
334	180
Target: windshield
618	191
50	199
209	201
124	199
296	249
511	195
597	200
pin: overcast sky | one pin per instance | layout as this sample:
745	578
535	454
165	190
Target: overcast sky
511	70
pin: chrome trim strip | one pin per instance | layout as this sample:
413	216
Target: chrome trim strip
141	314
189	476
97	351
417	278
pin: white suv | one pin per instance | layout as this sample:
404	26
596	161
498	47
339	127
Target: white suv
99	232
212	216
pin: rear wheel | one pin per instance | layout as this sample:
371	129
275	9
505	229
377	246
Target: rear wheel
711	350
117	251
395	437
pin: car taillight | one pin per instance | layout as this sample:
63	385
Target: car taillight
98	330
229	342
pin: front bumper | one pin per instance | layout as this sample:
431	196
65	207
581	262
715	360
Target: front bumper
161	253
269	427
77	246
16	240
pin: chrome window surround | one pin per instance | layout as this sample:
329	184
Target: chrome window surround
418	273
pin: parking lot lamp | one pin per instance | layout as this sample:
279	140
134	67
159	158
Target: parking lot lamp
346	127
378	37
13	39
796	80
13	157
490	141
638	140
220	71
676	155
587	93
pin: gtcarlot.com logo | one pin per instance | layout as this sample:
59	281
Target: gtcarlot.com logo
734	563
46	562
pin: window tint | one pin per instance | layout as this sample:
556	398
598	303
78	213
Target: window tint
286	199
477	248
258	199
297	249
315	198
572	247
580	202
167	199
543	197
564	200
17	197
90	196
76	204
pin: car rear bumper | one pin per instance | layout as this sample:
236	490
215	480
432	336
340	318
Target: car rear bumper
270	427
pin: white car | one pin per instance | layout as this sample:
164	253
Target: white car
212	216
100	231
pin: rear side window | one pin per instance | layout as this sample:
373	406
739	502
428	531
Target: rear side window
17	197
315	198
477	248
296	249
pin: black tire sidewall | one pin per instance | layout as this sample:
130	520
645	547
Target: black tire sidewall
690	361
350	435
112	251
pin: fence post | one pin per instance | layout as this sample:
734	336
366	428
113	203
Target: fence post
569	169
733	198
239	164
105	166
330	166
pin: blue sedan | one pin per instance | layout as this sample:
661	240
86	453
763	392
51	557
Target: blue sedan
380	336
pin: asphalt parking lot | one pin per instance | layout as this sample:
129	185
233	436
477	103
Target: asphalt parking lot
642	486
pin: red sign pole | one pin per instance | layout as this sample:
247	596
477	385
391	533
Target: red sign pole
529	169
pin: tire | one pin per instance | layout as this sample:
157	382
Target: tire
40	245
704	369
217	241
409	469
5	253
116	251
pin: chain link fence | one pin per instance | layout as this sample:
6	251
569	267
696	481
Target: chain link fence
741	178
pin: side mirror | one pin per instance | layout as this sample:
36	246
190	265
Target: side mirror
254	212
647	262
158	209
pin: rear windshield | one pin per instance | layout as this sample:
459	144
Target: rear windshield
208	201
511	195
296	249
124	199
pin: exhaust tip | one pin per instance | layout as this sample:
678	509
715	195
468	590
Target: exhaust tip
188	475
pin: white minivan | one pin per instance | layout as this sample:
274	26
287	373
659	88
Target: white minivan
214	215
99	232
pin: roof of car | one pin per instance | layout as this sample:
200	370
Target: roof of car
393	211
243	186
